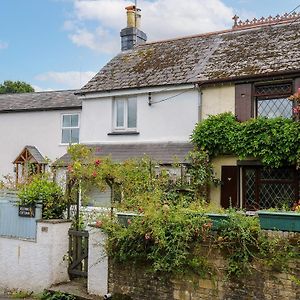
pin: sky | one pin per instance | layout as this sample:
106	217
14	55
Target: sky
61	44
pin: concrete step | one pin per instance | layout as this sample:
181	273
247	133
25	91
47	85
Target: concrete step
76	287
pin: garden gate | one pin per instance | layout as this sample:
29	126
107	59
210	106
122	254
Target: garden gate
78	253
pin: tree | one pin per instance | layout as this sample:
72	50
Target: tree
9	86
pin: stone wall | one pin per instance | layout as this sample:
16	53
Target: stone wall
262	284
35	265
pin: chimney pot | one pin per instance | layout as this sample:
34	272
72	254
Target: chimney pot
132	35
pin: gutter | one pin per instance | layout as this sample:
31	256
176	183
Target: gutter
20	110
252	78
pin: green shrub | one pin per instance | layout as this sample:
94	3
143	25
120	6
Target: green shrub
46	192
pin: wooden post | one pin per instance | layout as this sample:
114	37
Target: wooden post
17	174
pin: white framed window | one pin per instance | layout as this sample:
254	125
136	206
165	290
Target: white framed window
70	128
125	114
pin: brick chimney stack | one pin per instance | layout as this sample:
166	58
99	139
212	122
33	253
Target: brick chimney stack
132	35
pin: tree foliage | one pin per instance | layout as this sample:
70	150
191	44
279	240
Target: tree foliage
10	87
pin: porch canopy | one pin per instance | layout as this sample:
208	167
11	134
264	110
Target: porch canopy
30	161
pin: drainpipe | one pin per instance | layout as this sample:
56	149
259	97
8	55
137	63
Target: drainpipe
200	102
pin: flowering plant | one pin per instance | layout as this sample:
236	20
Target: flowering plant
296	206
296	109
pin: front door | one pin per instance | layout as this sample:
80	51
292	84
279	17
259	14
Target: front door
229	184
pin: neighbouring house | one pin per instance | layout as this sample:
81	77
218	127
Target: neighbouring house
154	94
35	128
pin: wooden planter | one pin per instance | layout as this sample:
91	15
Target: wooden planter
284	221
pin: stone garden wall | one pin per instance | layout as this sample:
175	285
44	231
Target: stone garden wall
262	284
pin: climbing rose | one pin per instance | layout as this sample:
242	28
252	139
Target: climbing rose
98	162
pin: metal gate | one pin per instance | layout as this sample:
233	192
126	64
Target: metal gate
78	253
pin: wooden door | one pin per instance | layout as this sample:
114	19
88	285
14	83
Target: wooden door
229	186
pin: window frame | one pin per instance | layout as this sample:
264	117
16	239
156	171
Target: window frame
125	127
259	181
69	128
271	96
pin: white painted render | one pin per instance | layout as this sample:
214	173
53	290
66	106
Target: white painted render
98	263
41	129
170	120
217	99
35	266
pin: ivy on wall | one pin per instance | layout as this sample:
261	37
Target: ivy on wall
276	142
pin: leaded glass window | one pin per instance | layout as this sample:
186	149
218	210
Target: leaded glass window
272	100
265	188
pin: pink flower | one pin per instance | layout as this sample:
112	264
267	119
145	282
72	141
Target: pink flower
99	223
70	169
128	221
94	174
98	162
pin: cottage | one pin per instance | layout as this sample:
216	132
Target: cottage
35	127
156	92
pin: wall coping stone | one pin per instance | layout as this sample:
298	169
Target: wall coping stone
54	221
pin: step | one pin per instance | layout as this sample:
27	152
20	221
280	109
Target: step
76	287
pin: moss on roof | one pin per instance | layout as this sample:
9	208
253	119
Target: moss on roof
219	55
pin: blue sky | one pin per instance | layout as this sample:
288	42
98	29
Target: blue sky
60	44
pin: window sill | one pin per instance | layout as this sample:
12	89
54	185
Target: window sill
124	133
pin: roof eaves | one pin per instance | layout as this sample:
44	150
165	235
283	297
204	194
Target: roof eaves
253	77
39	109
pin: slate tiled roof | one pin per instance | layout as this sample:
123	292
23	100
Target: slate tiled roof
214	56
39	101
165	153
35	154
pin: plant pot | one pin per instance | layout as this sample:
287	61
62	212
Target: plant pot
284	221
217	219
124	218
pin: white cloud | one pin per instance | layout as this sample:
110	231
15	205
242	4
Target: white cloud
41	89
3	45
96	24
100	40
66	80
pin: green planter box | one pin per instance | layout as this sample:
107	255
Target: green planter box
284	221
126	217
217	220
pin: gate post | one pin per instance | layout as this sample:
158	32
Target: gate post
98	263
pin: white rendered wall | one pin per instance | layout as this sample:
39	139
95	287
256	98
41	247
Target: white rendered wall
171	120
39	129
98	263
34	266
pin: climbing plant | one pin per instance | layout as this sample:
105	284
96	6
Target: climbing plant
275	142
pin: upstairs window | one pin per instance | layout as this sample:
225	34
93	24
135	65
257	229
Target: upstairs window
272	100
70	129
125	114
